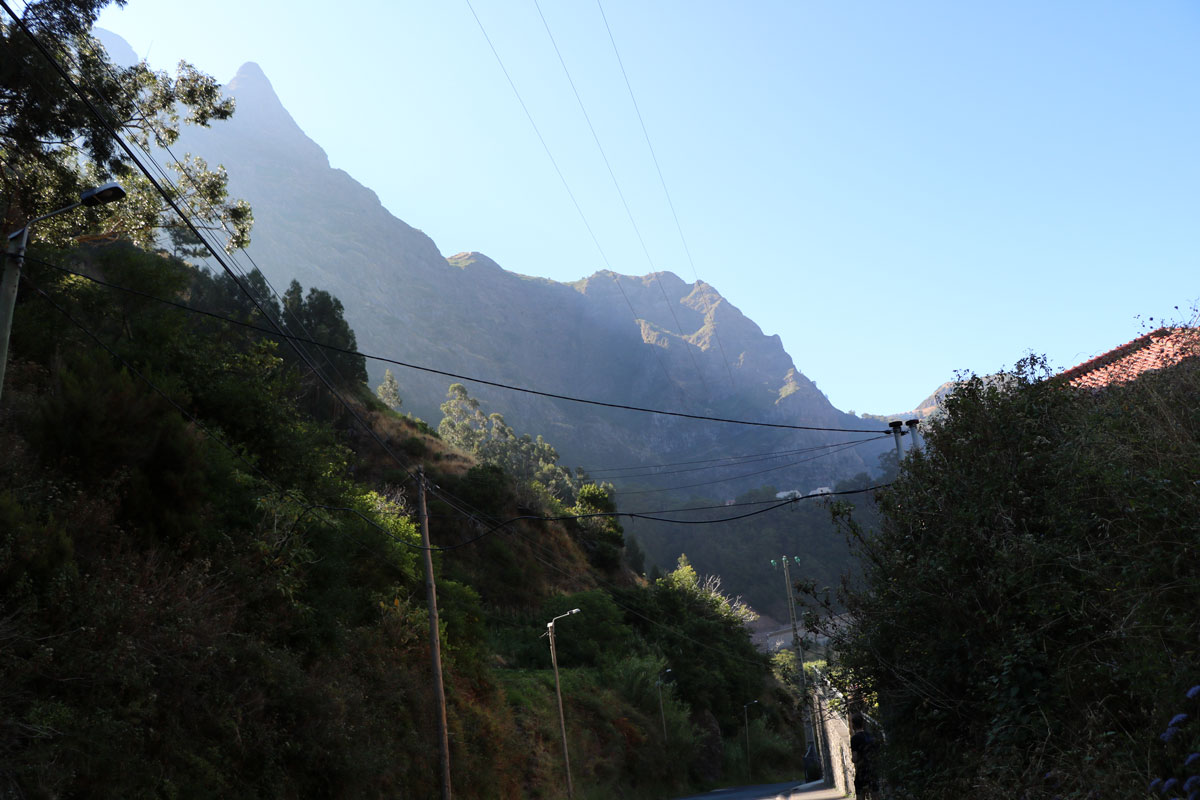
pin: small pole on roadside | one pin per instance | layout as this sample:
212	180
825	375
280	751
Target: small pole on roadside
746	712
661	711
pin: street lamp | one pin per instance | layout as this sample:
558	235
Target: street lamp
15	259
746	712
661	712
562	722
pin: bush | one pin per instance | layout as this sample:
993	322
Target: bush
1024	615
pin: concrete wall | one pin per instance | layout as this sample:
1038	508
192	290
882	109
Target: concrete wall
833	730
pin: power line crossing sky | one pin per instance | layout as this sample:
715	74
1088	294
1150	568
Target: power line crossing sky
899	191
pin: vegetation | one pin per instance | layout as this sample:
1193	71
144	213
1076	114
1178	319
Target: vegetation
209	582
1025	617
803	532
208	590
533	462
388	392
52	145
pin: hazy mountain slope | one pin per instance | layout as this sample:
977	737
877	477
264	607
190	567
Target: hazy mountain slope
467	315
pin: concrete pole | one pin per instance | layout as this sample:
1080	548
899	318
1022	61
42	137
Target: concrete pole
896	425
562	722
798	646
435	646
14	259
912	424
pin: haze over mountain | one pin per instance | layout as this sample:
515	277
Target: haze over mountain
652	341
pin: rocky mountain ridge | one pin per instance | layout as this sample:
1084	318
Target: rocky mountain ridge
608	337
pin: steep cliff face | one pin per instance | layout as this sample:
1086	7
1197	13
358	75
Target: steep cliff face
652	341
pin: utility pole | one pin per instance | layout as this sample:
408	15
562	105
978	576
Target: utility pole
562	722
896	425
14	259
916	438
435	646
798	646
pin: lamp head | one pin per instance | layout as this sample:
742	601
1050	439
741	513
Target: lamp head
100	195
573	611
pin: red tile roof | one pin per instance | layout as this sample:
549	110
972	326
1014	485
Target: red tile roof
1164	347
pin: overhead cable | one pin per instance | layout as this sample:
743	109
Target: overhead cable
661	179
456	376
830	452
195	232
603	257
713	463
617	185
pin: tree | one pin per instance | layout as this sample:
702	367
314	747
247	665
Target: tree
706	641
463	425
320	316
604	538
490	439
52	144
1026	609
389	390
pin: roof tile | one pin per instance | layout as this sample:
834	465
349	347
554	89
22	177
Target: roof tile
1160	348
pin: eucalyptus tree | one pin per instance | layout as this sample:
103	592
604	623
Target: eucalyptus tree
62	104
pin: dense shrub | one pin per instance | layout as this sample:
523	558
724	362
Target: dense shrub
1026	611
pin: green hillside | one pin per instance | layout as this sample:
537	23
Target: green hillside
211	582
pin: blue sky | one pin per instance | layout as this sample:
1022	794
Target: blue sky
899	190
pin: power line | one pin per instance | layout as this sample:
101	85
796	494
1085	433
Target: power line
662	365
456	376
621	195
752	474
450	500
206	431
181	167
716	463
661	179
192	227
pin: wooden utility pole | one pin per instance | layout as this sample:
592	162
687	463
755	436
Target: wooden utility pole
435	646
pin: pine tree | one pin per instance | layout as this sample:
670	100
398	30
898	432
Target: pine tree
389	391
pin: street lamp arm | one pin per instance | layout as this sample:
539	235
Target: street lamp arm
97	196
14	258
550	624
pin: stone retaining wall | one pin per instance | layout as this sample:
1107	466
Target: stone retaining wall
834	731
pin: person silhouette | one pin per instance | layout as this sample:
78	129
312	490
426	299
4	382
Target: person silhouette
863	750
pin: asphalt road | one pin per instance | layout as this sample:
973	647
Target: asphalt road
771	791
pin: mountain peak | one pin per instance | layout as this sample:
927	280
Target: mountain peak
119	51
250	75
252	86
473	259
259	108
